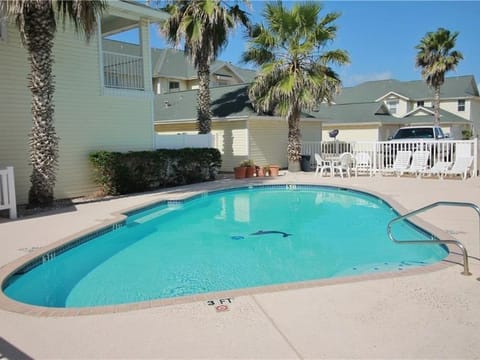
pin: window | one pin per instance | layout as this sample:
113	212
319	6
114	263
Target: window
420	103
439	133
173	86
461	105
392	106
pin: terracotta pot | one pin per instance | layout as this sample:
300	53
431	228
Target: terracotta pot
274	170
260	171
240	172
250	171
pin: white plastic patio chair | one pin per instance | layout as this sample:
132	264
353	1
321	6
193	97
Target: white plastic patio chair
362	163
462	166
322	165
419	162
344	164
401	162
437	169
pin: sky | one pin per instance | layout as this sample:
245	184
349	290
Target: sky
380	36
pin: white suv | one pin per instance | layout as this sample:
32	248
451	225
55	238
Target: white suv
418	138
419	133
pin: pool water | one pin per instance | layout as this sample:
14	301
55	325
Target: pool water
226	240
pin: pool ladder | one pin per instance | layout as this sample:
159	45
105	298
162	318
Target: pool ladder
431	242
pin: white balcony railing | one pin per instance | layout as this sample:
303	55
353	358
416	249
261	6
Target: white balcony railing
383	153
122	71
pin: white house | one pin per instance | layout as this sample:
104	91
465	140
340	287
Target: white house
375	109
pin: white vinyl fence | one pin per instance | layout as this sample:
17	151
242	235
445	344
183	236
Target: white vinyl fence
8	200
179	141
383	153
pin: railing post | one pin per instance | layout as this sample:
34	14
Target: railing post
475	157
11	192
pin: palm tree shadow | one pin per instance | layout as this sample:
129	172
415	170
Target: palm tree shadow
232	103
9	351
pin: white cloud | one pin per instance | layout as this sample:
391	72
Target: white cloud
359	78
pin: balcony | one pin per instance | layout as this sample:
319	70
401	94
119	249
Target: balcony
121	71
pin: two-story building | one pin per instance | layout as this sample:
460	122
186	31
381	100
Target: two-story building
102	102
374	110
173	71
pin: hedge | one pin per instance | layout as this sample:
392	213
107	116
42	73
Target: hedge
136	171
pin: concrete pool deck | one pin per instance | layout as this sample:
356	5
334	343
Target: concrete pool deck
432	314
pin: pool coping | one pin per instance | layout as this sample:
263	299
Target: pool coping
120	216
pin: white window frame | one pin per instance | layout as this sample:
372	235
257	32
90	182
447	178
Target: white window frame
392	105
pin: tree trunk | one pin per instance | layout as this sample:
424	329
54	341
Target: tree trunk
204	115
436	106
294	147
39	35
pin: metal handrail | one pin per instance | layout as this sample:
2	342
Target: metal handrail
429	242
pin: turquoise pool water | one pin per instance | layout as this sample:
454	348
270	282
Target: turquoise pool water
225	240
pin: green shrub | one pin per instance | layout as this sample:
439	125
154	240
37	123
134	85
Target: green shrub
137	171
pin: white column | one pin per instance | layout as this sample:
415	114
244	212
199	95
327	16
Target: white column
146	54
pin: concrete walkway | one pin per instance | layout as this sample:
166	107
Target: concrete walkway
433	314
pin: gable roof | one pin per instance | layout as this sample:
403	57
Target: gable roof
354	113
362	103
454	87
446	117
226	102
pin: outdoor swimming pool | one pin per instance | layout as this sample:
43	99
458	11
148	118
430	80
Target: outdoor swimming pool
224	240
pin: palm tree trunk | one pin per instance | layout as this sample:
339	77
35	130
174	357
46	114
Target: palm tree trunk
39	35
204	115
294	147
436	106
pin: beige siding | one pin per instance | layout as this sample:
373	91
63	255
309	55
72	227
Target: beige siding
161	85
474	106
231	139
452	106
403	105
354	133
387	131
268	142
85	120
15	104
218	80
311	131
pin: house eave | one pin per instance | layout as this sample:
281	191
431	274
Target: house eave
137	10
393	93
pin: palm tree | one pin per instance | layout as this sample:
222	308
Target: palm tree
435	56
295	67
203	26
37	21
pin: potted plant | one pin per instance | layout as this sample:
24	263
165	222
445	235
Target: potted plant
274	170
259	171
240	171
250	167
